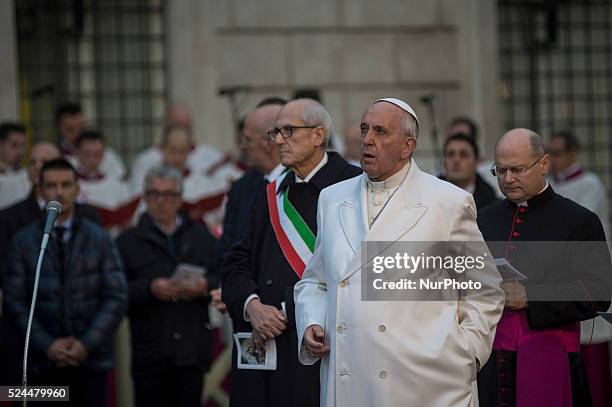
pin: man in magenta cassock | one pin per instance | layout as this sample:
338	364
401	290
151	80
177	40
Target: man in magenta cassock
560	247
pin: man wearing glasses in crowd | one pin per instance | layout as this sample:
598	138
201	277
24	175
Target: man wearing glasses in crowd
536	356
169	263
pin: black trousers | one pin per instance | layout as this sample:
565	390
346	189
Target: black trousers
11	355
176	386
291	384
87	388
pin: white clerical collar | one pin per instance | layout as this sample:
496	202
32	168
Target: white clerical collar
313	172
272	175
470	188
524	203
393	181
6	169
566	173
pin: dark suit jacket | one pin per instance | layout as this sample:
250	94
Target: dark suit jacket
12	219
239	207
84	295
484	194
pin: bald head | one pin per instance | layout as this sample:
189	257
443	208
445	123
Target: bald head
176	145
521	164
261	152
262	119
525	140
40	154
178	115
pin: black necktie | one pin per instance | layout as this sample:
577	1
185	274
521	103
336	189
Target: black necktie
59	232
171	245
59	238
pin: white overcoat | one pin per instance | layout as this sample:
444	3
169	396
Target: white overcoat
394	353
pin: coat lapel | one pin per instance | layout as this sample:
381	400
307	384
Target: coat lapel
353	216
402	212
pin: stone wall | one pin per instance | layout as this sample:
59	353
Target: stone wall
352	50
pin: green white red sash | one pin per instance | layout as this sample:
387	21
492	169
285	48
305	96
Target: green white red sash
292	232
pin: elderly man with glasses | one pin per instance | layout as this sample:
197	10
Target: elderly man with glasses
536	356
260	271
169	262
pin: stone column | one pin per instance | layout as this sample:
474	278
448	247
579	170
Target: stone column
9	85
192	65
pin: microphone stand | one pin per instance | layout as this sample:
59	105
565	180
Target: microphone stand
43	247
54	208
234	105
430	102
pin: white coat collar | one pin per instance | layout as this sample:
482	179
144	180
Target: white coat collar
402	212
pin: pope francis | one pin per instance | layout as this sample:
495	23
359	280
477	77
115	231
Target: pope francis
392	353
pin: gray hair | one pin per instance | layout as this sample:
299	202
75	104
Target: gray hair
411	128
164	172
538	147
316	115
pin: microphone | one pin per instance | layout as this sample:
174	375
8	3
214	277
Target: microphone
53	209
230	90
428	99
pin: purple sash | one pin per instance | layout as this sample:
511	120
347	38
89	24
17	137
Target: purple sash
542	366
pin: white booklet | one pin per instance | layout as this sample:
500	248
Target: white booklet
187	274
606	315
249	357
508	271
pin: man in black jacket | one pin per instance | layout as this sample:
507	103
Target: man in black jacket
171	343
81	299
16	217
259	272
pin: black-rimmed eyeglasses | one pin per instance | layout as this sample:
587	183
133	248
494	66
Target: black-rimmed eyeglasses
151	193
286	131
518	171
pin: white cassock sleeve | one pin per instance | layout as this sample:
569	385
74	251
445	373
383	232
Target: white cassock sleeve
112	164
310	293
478	311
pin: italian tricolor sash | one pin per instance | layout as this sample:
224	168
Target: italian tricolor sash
292	233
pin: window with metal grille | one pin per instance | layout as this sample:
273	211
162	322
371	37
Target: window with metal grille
108	55
556	71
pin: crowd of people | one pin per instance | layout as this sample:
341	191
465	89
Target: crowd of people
273	240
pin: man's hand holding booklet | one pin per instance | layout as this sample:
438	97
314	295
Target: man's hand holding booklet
190	280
